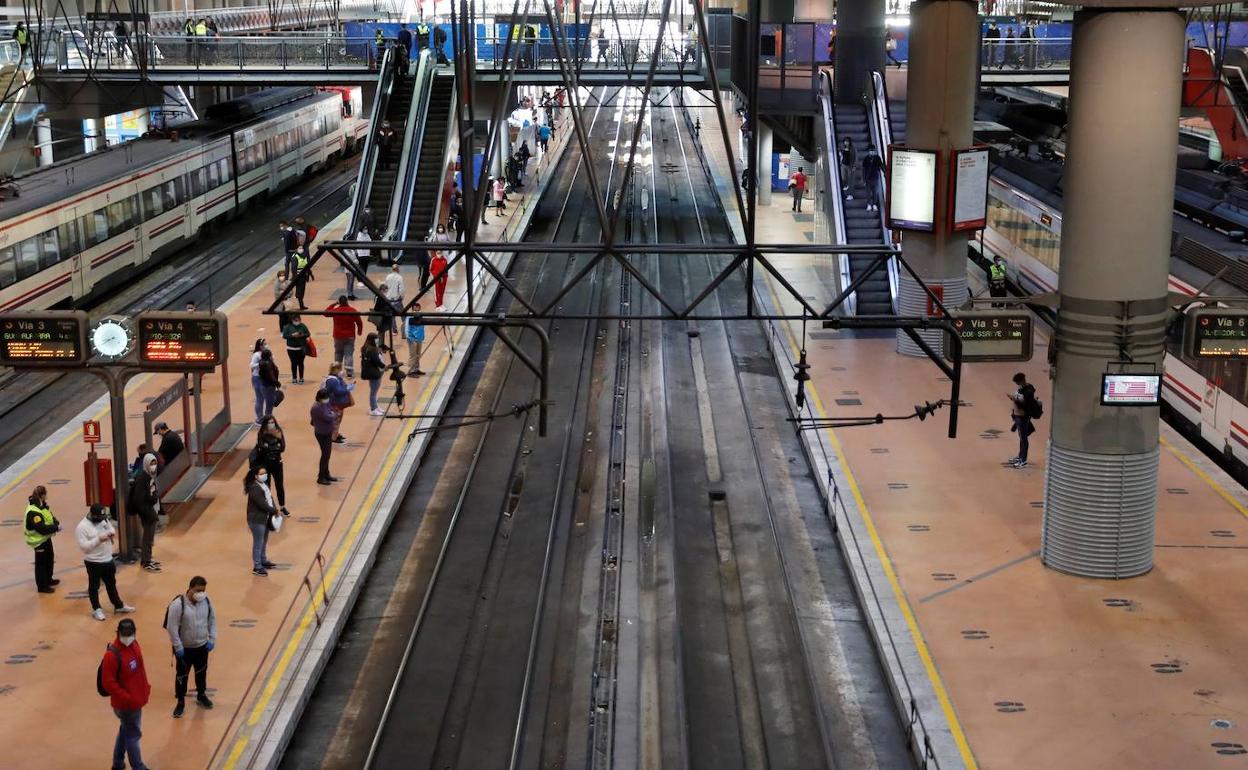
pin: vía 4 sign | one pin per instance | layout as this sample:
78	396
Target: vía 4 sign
992	335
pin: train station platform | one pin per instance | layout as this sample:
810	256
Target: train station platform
1009	663
267	626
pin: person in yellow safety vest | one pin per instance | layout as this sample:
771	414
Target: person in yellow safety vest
422	38
22	36
201	28
996	279
39	527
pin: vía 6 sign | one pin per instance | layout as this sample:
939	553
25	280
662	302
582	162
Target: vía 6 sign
992	335
1217	332
181	340
44	338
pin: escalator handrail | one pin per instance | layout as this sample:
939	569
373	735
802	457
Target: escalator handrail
451	126
368	165
413	142
1230	71
834	187
882	135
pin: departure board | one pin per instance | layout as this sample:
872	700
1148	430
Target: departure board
992	335
1217	332
181	340
46	338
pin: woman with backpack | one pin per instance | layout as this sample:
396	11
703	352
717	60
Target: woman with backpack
372	366
260	513
270	444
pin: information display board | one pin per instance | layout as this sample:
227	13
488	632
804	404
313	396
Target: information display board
1130	389
44	338
1217	332
968	195
912	189
181	340
992	335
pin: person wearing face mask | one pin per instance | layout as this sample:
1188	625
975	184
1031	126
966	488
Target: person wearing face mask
96	538
124	678
260	509
192	627
40	526
145	503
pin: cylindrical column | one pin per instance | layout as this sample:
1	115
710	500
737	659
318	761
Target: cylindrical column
43	141
859	47
1101	482
764	164
502	150
940	112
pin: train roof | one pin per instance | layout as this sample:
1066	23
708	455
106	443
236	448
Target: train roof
63	181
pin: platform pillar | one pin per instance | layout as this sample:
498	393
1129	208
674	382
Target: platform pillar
859	47
764	164
940	109
43	141
1100	498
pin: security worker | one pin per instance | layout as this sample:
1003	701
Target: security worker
422	38
996	279
201	28
379	42
40	526
22	36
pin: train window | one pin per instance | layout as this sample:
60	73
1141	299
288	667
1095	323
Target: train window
214	176
70	244
51	249
99	226
195	182
153	203
226	172
262	152
168	196
27	258
8	267
118	220
179	190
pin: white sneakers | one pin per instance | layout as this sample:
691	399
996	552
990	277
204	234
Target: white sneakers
377	413
123	609
97	614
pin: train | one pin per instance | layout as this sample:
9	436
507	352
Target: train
73	230
1207	400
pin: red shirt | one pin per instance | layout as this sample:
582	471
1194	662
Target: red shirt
345	326
127	685
799	181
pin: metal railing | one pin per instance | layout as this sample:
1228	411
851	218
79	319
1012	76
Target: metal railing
76	51
676	53
414	142
833	193
1004	54
368	165
881	128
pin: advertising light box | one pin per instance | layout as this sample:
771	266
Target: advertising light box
969	199
1130	389
912	189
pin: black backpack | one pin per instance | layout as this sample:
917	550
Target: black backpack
1034	408
99	671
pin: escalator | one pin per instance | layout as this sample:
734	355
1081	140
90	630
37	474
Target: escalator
389	158
426	183
875	295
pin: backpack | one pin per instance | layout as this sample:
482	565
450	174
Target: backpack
182	598
99	671
311	233
1034	408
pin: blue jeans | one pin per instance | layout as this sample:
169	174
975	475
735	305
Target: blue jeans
128	735
374	386
259	539
269	399
1024	429
258	387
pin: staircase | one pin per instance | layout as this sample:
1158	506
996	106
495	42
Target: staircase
381	194
897	121
862	226
429	172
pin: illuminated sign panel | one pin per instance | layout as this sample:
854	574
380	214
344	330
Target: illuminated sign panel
912	189
47	338
1130	389
993	335
969	203
1217	332
181	340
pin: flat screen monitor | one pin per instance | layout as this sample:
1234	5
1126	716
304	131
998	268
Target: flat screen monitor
912	189
1130	389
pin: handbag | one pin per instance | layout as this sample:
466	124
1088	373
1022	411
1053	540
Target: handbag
279	397
275	522
309	347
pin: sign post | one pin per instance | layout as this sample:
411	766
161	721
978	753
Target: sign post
91	437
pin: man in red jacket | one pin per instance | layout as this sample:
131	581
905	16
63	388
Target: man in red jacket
125	680
347	325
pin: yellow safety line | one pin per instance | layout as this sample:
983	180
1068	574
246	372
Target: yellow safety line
305	622
1227	496
955	727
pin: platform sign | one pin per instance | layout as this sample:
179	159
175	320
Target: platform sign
912	189
44	338
1217	332
968	206
1131	389
181	340
992	335
91	432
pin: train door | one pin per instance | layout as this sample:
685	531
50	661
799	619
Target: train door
80	269
1215	411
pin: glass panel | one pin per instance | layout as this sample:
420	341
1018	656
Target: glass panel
27	258
214	176
86	228
99	222
179	191
51	249
196	181
8	267
70	244
169	196
116	218
226	170
153	203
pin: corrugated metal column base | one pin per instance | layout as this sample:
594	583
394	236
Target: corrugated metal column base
912	301
1099	512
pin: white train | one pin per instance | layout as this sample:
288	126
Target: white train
1209	396
82	226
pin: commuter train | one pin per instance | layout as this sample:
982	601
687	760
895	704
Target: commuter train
1210	397
79	227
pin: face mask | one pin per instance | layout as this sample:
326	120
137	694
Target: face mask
262	478
126	640
199	596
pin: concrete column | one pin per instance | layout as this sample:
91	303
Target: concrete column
764	164
1100	495
43	140
859	47
940	111
502	151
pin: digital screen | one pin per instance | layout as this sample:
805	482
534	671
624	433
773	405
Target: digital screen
188	339
912	189
970	189
993	335
47	338
1218	333
1130	389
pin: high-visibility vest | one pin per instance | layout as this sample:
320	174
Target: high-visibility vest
301	260
201	29
35	539
422	30
996	273
20	35
189	27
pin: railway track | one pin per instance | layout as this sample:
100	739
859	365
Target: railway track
35	404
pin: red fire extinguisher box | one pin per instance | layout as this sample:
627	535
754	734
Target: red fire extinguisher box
104	473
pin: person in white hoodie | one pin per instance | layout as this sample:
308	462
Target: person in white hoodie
96	538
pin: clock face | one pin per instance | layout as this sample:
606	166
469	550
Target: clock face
111	339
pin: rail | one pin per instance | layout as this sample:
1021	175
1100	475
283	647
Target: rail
76	50
833	195
368	164
882	135
422	96
675	53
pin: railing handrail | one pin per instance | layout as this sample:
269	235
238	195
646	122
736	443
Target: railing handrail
834	187
413	141
882	135
368	164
